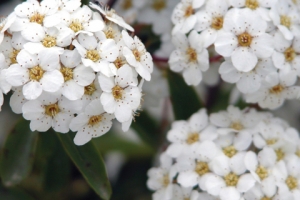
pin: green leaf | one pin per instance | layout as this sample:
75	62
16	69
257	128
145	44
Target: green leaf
89	162
184	99
146	129
18	153
13	194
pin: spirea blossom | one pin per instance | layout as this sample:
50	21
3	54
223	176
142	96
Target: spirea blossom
260	161
72	67
252	39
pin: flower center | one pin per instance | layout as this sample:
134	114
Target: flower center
52	110
261	172
89	89
298	153
165	180
159	5
188	11
291	182
192	138
117	92
231	179
277	89
119	62
192	54
37	18
285	21
94	120
265	198
137	55
252	4
49	41
76	26
109	33
289	54
271	141
229	151
201	168
245	39
127	4
280	154
236	126
93	55
13	56
217	23
67	73
36	73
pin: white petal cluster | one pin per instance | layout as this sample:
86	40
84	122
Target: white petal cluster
230	155
255	39
72	68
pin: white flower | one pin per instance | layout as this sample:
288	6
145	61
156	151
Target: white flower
17	100
112	16
247	82
230	179
275	89
259	7
182	193
76	76
189	56
81	21
97	55
36	72
244	39
286	55
136	55
69	5
121	95
50	110
261	166
92	123
286	18
210	20
157	13
183	15
257	192
91	92
32	16
51	38
185	134
194	168
5	24
161	178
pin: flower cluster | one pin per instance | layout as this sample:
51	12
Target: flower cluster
72	67
258	42
234	154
